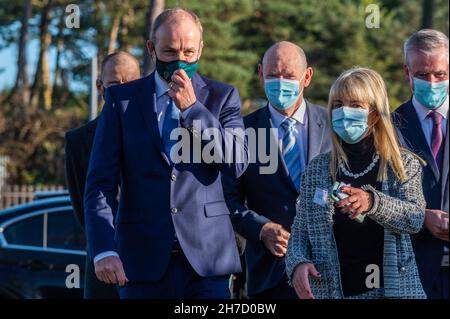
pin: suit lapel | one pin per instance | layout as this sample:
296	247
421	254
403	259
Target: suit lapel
200	88
416	138
315	131
149	111
283	170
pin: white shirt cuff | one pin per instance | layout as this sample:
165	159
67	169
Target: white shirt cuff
104	255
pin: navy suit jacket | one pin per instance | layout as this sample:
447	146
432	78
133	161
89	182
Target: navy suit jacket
128	148
255	199
428	249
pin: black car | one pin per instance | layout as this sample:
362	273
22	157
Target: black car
42	249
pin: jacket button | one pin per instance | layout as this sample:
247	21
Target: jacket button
174	210
173	177
402	269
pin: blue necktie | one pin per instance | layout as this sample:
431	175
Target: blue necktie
171	122
290	151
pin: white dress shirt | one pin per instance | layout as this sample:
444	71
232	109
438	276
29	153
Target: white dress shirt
300	129
300	132
162	102
427	122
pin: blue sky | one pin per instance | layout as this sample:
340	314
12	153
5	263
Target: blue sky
8	64
8	59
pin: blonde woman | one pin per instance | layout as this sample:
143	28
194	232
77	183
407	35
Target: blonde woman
358	246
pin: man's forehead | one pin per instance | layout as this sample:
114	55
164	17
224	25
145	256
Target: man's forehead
112	73
281	64
118	69
433	60
185	31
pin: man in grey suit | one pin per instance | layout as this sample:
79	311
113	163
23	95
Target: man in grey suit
422	123
263	205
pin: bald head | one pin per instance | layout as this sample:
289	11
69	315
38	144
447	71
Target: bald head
286	60
284	55
118	68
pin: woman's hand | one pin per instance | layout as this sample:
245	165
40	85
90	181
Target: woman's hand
358	201
300	280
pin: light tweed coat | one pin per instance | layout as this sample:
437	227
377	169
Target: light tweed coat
399	208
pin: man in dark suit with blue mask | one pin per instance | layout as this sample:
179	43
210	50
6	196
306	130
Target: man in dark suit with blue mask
172	236
262	201
422	123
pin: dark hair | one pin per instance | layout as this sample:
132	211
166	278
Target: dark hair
169	13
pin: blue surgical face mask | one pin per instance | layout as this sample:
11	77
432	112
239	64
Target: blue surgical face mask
282	93
430	94
350	123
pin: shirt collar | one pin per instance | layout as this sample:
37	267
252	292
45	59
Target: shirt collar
278	118
161	86
423	111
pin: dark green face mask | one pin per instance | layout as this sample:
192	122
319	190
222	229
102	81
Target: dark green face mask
166	69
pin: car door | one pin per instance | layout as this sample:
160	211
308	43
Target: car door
39	247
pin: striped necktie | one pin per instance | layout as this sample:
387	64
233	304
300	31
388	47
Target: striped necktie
171	121
290	151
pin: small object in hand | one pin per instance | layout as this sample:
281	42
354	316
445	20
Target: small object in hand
337	195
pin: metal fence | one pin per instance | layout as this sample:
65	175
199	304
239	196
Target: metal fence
11	195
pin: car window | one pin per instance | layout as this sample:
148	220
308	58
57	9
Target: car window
26	232
64	231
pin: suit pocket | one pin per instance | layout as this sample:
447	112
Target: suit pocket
216	209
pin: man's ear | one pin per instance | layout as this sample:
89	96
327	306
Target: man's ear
150	48
200	50
408	76
99	85
406	70
308	77
260	73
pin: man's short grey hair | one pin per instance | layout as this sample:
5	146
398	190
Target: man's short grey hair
424	41
168	14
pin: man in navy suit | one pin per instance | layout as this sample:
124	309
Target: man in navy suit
422	123
263	205
172	236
